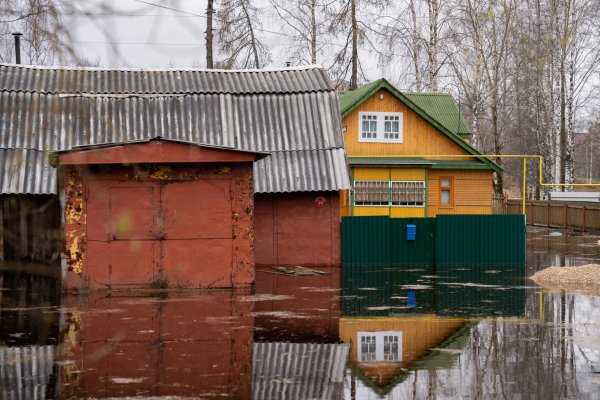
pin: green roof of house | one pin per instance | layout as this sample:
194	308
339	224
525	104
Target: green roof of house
444	109
437	109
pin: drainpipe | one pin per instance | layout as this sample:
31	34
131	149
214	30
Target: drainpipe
17	36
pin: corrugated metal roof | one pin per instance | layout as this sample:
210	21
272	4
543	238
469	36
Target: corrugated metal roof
318	170
443	108
304	121
298	371
147	81
26	172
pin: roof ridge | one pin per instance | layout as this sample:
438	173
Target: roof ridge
141	69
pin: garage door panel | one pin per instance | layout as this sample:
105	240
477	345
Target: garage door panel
134	212
198	262
133	262
197	209
98	220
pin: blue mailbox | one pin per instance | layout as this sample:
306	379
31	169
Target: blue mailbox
411	232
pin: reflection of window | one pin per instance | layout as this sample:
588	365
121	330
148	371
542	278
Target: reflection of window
380	127
390	347
367	348
389	193
379	346
446	192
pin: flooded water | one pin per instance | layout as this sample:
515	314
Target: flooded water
360	333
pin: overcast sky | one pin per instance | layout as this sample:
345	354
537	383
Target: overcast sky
128	33
135	33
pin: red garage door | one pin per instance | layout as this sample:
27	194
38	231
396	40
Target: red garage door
176	232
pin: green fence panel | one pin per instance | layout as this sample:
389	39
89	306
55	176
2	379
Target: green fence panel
365	241
417	253
480	240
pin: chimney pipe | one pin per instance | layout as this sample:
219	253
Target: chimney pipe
288	64
17	36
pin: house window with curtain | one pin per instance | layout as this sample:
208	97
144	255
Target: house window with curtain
382	127
446	191
389	193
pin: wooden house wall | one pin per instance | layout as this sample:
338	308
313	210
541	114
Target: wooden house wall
472	192
419	136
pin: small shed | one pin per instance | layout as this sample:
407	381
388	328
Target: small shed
119	124
157	214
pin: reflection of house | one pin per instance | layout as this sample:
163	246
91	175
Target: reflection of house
383	348
298	371
174	134
404	151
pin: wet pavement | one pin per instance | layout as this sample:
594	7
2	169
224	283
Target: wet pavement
360	333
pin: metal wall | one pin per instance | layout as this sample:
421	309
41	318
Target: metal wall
381	241
448	240
480	240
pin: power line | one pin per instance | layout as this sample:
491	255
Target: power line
133	43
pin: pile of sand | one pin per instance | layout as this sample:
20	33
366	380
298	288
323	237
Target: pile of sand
586	278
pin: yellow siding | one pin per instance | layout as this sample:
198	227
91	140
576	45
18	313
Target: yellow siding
472	192
419	137
407	212
384	174
408	174
419	333
371	211
371	174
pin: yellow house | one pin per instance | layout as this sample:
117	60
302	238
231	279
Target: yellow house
409	155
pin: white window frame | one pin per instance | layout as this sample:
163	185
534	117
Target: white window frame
390	195
379	345
380	132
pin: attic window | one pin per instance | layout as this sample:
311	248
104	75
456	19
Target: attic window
380	127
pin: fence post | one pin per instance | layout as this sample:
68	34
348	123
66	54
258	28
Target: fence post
566	215
548	214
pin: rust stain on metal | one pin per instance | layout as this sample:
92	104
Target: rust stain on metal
161	173
75	219
75	254
74	198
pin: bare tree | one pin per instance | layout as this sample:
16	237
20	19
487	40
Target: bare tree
240	23
45	33
351	19
484	34
308	23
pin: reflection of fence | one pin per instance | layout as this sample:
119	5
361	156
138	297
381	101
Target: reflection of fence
558	214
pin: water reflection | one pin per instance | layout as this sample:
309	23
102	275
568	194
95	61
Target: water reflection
364	333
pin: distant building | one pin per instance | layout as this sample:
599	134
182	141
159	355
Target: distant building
409	155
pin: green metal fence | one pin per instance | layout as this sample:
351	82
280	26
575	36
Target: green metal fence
381	241
448	240
481	240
